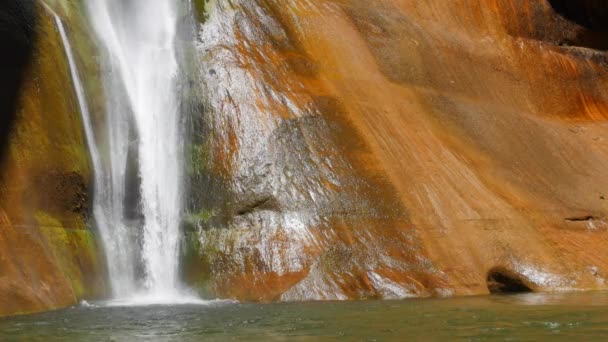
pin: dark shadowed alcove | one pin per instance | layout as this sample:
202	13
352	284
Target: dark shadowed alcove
17	30
591	15
501	280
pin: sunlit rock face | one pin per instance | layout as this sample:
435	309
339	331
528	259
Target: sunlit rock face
48	257
395	148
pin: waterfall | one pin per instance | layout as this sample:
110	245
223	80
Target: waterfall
120	265
137	153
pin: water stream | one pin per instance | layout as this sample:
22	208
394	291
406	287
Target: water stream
137	155
141	70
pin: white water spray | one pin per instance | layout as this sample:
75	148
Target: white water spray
109	224
143	137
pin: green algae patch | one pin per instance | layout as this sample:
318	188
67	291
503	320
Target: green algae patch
203	217
199	158
46	220
201	9
195	263
75	252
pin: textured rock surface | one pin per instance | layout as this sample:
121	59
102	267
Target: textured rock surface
48	257
394	148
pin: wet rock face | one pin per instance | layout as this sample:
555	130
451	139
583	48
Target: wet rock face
398	148
48	257
290	205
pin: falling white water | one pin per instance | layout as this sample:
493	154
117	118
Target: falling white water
110	224
142	134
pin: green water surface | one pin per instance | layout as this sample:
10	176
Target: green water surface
530	317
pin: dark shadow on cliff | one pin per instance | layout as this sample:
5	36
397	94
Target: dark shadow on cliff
501	280
591	15
17	34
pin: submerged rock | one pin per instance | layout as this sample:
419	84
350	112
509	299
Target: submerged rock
395	148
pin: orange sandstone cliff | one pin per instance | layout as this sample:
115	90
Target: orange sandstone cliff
395	148
345	149
48	257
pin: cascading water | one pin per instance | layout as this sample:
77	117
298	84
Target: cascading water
118	248
138	172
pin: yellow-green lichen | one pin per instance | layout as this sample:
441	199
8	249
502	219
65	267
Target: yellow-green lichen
75	252
199	158
201	10
202	217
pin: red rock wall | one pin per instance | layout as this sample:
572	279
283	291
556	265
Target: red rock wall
398	147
